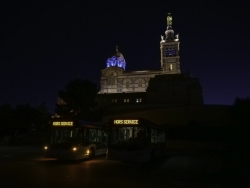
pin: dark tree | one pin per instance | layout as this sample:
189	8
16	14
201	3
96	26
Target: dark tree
25	117
241	122
43	117
77	99
6	119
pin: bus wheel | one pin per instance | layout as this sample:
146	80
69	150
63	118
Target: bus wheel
91	153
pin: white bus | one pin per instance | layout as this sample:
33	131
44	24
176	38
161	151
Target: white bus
135	140
75	140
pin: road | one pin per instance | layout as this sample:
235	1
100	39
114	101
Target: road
26	167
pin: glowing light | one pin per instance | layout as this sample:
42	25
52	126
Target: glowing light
58	123
45	147
87	151
74	148
133	122
116	61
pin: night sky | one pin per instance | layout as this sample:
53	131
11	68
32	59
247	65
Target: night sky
45	44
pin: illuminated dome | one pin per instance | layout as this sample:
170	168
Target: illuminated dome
116	60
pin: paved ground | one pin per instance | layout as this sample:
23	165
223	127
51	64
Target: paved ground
26	167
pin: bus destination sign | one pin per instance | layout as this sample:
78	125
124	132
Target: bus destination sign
63	123
126	121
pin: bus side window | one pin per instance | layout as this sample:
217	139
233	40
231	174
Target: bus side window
92	135
153	136
160	137
86	135
163	137
137	130
104	137
99	136
121	133
80	136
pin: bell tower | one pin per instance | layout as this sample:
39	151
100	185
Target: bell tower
170	46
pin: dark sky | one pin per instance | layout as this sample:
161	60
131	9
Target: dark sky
45	44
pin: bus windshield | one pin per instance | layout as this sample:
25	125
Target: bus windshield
62	136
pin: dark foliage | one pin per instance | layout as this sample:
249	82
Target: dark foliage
6	119
22	119
240	129
77	99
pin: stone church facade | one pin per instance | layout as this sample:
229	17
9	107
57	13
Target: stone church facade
115	79
117	82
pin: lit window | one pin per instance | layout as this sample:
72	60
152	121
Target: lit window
170	52
170	67
174	52
140	84
166	52
138	100
127	85
126	100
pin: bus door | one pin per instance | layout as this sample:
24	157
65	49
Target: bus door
99	138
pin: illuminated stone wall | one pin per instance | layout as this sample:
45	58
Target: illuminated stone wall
116	80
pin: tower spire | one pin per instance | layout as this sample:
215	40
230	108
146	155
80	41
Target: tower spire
170	62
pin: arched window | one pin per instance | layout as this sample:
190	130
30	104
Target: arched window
113	81
170	52
109	81
140	84
127	85
166	52
170	67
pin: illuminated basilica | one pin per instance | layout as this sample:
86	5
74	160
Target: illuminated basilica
166	85
167	97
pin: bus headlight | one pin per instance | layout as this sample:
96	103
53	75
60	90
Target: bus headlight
87	152
74	148
45	147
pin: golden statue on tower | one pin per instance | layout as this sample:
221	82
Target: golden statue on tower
169	20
